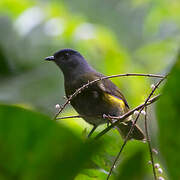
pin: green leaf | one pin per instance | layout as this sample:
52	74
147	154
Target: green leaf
34	147
168	120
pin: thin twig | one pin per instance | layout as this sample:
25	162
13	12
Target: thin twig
68	117
149	145
125	141
132	128
99	79
126	115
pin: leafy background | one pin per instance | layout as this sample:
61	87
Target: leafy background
118	36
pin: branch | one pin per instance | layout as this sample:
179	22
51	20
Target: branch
149	145
119	119
131	130
68	117
99	79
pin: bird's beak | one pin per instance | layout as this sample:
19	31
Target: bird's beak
49	58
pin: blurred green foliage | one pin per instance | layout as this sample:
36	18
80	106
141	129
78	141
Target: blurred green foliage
119	41
117	36
34	147
168	116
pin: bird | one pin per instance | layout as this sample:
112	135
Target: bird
99	99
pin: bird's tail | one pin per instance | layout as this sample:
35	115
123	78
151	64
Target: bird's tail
124	128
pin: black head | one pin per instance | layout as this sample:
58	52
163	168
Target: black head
63	56
70	61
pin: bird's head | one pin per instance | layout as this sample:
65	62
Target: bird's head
70	62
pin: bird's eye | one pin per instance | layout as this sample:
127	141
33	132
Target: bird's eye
66	55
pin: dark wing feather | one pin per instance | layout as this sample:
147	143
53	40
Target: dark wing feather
108	86
105	85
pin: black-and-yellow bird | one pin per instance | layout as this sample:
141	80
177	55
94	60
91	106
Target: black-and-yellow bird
99	99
